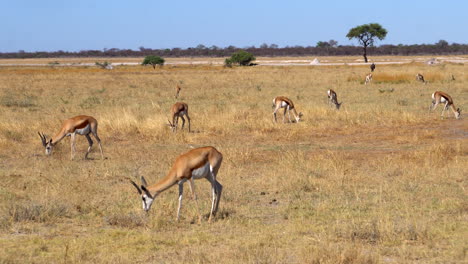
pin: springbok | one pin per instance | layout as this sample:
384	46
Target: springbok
81	125
179	109
368	78
177	91
420	77
288	105
441	97
199	163
333	99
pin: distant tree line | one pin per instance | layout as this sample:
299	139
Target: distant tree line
323	48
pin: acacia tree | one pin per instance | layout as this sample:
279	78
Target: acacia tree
243	58
366	35
153	60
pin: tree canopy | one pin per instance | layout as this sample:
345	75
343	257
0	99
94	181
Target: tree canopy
242	57
153	60
366	35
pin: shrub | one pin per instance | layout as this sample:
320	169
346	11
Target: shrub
23	101
104	65
228	63
128	221
37	211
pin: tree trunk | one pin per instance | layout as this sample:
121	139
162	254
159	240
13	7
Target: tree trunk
365	53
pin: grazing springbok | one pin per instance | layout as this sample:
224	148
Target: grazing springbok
81	125
179	109
288	105
372	67
177	91
196	164
441	97
333	99
368	78
420	77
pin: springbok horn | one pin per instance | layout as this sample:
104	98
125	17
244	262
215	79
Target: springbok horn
170	124
146	191
43	139
136	186
143	181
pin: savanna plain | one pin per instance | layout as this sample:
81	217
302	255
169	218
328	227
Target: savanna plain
382	180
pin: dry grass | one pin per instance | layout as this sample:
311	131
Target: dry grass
380	181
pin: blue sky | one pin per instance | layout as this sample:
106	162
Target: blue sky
50	25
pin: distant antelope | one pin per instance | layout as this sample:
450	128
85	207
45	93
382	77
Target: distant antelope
441	97
333	99
288	105
372	67
81	125
420	77
179	109
368	78
177	91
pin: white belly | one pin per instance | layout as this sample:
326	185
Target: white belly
182	113
201	172
442	100
84	131
283	104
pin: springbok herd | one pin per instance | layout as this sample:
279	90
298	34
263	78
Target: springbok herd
201	162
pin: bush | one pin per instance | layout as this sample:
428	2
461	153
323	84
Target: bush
128	221
37	211
243	58
228	63
104	65
153	60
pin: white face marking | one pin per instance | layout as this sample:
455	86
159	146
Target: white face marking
147	202
48	149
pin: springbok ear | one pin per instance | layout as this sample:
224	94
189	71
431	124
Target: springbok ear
136	186
146	192
143	181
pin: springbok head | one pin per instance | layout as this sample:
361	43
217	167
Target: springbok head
146	197
173	127
298	117
458	113
338	105
47	144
